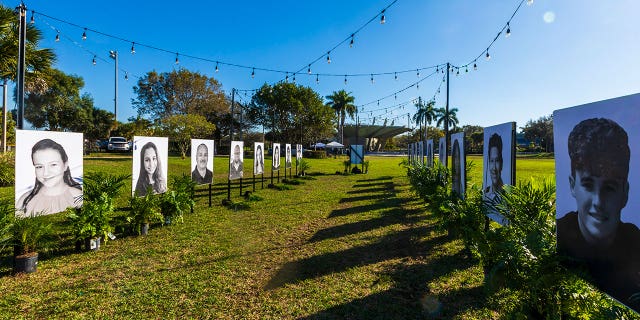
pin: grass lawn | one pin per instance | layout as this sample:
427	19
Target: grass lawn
358	246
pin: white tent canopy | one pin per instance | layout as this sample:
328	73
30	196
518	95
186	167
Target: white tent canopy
334	145
318	145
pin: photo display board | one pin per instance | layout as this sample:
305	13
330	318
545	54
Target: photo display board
287	156
458	169
498	166
48	172
258	158
275	162
430	152
236	160
597	158
202	152
149	169
356	153
298	152
421	152
442	152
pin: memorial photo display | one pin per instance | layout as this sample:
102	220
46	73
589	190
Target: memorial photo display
287	156
48	172
597	158
442	152
202	161
430	152
275	162
149	169
498	167
458	160
258	158
236	160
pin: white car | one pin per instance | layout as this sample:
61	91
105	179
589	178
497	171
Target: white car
118	144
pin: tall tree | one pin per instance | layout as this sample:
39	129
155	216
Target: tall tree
56	103
425	114
181	128
450	117
291	113
160	95
37	60
342	103
540	132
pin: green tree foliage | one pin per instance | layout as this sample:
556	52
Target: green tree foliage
36	60
11	132
473	138
425	114
160	95
57	105
540	132
181	128
342	103
450	117
137	126
293	113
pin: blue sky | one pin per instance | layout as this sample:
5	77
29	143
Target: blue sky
583	51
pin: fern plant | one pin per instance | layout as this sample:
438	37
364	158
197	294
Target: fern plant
93	219
144	210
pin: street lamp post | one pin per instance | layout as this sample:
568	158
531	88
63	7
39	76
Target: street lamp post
114	55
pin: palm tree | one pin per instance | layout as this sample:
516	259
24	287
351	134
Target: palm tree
426	114
450	118
342	103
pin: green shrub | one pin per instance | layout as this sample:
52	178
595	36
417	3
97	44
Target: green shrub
7	169
144	210
93	219
98	182
303	166
314	154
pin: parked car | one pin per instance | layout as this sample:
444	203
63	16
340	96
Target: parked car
118	144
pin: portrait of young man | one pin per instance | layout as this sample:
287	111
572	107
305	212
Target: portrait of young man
498	165
595	175
236	159
202	161
458	173
430	152
287	156
275	162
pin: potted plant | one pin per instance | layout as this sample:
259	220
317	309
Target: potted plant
29	235
303	166
144	210
92	222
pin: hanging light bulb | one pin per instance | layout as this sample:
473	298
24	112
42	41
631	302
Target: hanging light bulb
294	78
286	79
488	56
309	69
345	79
417	86
253	73
217	67
378	103
396	76
317	79
475	66
466	69
382	19
418	73
395	96
133	48
508	31
328	57
529	2
84	34
437	69
94	60
457	71
58	36
372	81
177	60
352	40
126	75
32	21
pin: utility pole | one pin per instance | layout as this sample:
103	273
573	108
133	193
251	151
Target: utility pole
22	31
446	121
233	100
4	115
114	55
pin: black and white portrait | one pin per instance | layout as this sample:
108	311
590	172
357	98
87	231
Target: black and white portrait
430	152
287	156
498	163
458	173
48	172
202	161
258	158
150	156
275	162
442	152
298	152
236	159
597	158
420	152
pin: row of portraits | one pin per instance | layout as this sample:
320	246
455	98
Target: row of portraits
49	167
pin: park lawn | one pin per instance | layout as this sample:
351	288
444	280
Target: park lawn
356	246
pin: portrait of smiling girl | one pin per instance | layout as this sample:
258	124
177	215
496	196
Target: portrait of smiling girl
151	175
54	189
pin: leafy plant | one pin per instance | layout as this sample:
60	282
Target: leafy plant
174	203
7	215
365	166
303	166
30	233
98	182
347	166
93	219
144	210
7	169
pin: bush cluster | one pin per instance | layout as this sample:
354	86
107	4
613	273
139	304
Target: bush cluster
524	276
7	169
314	154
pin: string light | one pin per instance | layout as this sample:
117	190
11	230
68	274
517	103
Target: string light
317	79
32	21
529	2
396	76
286	79
294	78
309	70
217	67
382	19
352	40
345	79
475	66
418	73
126	75
58	36
253	73
508	31
488	56
177	60
94	60
84	34
372	81
133	48
328	57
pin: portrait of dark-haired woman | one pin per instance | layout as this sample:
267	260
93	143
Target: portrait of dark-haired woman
150	176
